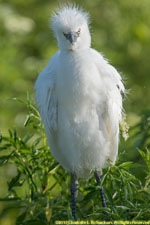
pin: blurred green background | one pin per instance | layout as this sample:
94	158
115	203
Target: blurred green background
120	31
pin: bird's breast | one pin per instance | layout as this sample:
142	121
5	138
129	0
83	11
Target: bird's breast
78	83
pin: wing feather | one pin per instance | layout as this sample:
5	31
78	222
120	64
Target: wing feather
46	96
112	114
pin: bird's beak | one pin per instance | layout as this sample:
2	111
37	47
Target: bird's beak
72	37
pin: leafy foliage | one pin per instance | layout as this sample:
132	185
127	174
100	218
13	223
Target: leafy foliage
40	188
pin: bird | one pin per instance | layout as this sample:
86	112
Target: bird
79	97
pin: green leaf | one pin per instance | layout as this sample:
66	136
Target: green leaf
9	198
53	167
37	141
109	197
126	192
122	207
27	120
4	159
4	147
15	182
15	135
27	137
126	165
142	153
18	100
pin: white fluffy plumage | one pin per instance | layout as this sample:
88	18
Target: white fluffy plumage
79	98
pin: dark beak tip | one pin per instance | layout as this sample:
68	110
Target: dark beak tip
72	37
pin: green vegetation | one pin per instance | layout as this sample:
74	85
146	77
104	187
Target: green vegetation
39	190
33	187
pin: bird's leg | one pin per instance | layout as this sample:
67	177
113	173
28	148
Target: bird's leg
74	193
98	177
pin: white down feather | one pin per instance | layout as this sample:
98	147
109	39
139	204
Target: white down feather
79	98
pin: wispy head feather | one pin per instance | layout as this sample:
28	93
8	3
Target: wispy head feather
69	16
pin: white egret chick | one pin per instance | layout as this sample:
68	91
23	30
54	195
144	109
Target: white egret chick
80	102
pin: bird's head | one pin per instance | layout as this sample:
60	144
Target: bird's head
70	25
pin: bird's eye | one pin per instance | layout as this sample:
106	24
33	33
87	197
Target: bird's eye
79	31
64	34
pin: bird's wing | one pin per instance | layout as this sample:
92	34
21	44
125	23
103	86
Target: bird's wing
113	87
46	97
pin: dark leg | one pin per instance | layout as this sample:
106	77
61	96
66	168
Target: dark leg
98	177
74	193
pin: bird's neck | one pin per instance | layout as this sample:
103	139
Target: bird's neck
74	50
